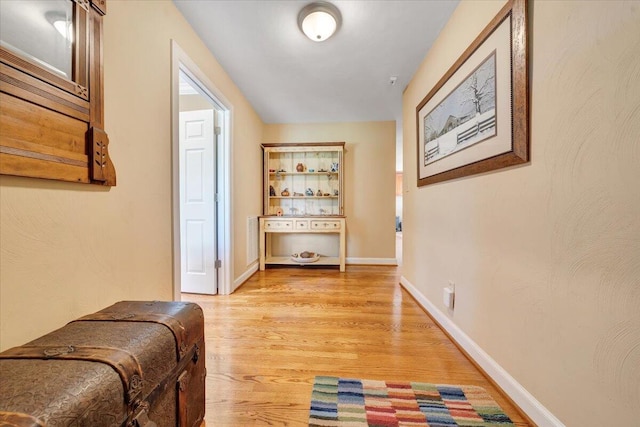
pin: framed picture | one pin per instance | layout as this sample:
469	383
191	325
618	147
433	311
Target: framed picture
476	118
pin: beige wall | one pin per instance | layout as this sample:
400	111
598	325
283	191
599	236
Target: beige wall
546	256
369	179
69	249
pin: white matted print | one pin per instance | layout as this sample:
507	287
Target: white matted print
465	123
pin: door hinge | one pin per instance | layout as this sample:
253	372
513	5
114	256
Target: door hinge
218	264
217	130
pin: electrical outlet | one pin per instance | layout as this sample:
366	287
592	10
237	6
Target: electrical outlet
448	297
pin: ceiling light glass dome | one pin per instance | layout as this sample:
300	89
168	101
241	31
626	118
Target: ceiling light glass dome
319	20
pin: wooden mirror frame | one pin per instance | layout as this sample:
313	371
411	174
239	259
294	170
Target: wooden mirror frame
51	127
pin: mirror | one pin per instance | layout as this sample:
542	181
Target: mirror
51	69
41	31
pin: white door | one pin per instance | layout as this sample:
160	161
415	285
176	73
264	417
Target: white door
197	202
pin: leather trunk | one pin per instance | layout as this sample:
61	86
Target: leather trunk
132	364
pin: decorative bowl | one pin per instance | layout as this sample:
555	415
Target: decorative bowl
305	257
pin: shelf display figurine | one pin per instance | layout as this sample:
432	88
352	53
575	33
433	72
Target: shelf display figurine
334	167
309	192
272	191
319	193
297	194
285	192
300	167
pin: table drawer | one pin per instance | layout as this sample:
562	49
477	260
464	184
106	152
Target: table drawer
302	224
278	224
325	225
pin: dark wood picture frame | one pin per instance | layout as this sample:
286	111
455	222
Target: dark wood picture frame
52	127
518	153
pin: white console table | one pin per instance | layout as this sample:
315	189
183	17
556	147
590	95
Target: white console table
307	224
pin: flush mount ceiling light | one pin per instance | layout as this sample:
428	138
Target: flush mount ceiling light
319	20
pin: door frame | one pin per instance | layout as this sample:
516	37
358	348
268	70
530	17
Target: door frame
180	61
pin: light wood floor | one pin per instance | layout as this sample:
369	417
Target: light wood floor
267	341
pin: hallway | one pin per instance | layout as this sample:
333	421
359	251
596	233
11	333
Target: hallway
267	341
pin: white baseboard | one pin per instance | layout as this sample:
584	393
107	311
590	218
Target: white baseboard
245	276
372	261
529	404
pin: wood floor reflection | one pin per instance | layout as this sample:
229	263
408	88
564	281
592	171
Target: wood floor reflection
268	340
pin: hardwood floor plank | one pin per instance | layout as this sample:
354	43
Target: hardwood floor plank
268	340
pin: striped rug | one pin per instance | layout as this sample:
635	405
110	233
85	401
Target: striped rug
347	402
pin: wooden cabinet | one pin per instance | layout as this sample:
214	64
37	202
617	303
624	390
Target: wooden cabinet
303	195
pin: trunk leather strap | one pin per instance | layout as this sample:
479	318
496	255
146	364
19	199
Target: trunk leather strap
14	419
123	362
175	326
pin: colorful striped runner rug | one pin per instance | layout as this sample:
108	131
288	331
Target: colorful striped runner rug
347	402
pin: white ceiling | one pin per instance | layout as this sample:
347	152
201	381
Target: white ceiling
291	79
